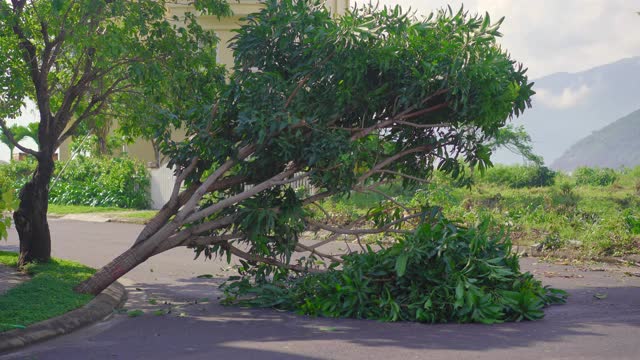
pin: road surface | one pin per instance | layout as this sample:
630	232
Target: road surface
190	324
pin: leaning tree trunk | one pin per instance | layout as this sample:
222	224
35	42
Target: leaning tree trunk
113	271
119	266
31	217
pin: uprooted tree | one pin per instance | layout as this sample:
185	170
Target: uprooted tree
79	60
350	103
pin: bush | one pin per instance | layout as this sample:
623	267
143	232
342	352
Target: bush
444	272
595	176
14	175
111	182
119	182
520	176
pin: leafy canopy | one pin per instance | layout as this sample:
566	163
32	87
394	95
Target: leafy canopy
352	100
84	61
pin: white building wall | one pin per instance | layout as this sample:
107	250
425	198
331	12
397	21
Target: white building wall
162	180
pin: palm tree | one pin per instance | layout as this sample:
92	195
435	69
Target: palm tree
31	130
19	132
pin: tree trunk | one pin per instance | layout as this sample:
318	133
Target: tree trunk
102	146
111	272
31	217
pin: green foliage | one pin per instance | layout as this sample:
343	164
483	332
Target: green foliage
7	204
119	182
14	175
595	176
517	140
520	176
104	182
49	293
592	221
303	80
632	219
444	272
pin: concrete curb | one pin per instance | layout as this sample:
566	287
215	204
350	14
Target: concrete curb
99	308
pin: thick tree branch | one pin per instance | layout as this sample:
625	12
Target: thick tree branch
386	162
279	179
170	209
251	257
383	194
94	108
384	229
397	173
313	250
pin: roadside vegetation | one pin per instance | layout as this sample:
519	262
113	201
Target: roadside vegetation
593	212
118	182
114	213
49	292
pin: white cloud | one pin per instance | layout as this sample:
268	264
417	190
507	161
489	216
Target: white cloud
551	36
568	98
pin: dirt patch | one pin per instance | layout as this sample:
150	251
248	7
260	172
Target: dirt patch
9	278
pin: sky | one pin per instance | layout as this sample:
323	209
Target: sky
550	36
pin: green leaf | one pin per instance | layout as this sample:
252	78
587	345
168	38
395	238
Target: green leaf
135	313
401	264
600	296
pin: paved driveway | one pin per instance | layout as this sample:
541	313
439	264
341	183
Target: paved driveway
182	319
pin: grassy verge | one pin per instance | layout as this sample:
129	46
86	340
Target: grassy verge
79	209
48	294
125	215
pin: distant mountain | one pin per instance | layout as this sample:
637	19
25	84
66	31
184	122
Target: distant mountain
570	106
614	146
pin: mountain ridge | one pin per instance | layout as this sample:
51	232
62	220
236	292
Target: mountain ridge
616	145
570	106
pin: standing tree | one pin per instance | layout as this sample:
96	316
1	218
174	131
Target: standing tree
350	102
72	58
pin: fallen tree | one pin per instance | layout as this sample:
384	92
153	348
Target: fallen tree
350	103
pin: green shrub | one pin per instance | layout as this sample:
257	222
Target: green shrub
107	182
119	182
444	272
520	176
15	174
632	221
595	176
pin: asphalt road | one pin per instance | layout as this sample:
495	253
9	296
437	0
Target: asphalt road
191	324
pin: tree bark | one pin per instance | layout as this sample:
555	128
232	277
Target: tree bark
31	217
119	266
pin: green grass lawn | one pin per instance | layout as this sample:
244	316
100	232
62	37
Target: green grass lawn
136	216
48	294
79	209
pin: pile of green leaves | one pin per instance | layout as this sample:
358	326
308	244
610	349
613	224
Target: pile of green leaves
443	272
107	182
